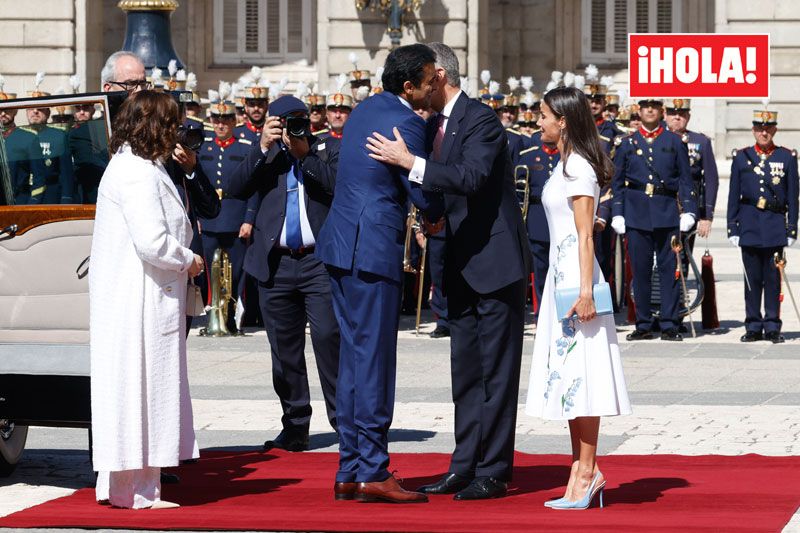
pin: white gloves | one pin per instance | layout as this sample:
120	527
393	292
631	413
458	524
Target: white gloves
618	223
687	221
790	241
734	240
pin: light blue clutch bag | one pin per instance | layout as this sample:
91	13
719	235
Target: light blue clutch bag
602	299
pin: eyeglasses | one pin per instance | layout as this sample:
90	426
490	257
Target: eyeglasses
132	85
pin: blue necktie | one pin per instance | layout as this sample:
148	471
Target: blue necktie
294	235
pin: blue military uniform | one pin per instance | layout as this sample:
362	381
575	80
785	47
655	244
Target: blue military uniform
762	213
248	131
219	159
651	187
26	166
539	160
603	240
88	146
59	179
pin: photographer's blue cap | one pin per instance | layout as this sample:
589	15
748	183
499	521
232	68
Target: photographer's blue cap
286	105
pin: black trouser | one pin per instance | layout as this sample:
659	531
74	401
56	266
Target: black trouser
299	291
436	250
486	349
763	277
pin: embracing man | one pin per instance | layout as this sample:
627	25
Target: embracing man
487	262
361	243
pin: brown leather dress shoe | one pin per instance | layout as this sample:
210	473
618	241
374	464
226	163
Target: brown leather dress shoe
388	490
344	491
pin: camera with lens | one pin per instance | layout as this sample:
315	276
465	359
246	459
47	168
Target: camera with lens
297	126
190	138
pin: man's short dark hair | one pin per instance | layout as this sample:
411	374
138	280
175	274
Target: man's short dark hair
406	64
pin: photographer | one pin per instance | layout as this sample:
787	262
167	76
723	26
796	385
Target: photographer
293	173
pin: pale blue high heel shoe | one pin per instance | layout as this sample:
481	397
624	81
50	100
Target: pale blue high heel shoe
551	503
594	488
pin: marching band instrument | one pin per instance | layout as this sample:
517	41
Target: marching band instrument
522	185
221	280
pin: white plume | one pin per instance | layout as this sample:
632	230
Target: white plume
156	76
486	76
494	87
623	95
579	81
172	67
557	76
236	88
528	99
341	83
75	83
274	91
2	82
37	81
353	58
552	84
59	91
255	74
283	83
607	81
362	93
569	79
526	82
263	81
464	83
224	90
213	96
245	80
181	75
379	75
513	84
191	81
765	101
315	89
301	91
591	73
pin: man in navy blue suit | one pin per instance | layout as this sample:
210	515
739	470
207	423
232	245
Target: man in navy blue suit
362	244
487	262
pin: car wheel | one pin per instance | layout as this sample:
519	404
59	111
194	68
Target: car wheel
12	444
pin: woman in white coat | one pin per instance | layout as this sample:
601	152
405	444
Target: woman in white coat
141	407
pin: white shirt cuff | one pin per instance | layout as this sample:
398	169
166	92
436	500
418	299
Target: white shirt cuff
417	171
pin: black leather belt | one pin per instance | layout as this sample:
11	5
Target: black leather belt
764	205
651	188
535	200
295	254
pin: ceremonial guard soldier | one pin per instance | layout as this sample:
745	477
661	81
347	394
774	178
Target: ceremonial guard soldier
339	106
762	219
24	157
231	229
612	107
653	200
537	162
316	112
256	99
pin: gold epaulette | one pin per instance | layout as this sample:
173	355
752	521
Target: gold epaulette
526	150
321	131
29	129
513	131
603	137
208	139
618	140
195	119
734	152
246	141
607	196
239	124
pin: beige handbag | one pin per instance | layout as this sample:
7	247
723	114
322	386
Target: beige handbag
194	300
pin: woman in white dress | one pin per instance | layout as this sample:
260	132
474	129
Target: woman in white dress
141	408
576	373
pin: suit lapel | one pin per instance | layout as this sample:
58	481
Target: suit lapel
453	122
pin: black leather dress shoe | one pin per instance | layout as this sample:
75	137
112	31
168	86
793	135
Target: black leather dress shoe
752	336
683	329
775	337
440	332
169	479
639	335
449	484
291	442
483	488
671	334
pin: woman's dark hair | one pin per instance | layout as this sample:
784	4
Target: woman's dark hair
580	136
405	64
148	121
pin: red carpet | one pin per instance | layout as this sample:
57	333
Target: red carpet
293	492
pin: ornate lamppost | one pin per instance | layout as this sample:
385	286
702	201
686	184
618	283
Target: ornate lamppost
394	11
148	33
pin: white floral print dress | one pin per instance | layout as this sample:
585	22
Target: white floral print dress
576	369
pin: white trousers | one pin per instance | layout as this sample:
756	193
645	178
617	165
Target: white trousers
132	489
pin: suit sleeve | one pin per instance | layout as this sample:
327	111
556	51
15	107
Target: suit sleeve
733	198
257	172
618	181
484	140
431	203
793	186
203	198
710	177
322	171
688	201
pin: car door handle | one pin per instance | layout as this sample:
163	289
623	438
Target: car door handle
9	232
81	271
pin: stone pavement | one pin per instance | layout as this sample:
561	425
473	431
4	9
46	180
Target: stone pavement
710	395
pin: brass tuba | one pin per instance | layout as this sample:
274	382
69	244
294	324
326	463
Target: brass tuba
522	184
221	288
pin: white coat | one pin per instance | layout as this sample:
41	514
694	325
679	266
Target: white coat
141	407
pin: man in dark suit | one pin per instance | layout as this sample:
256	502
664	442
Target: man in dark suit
362	244
487	262
293	177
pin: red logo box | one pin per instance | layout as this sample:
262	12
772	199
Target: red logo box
698	65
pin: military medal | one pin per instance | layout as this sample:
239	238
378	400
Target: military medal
776	180
219	193
639	151
48	162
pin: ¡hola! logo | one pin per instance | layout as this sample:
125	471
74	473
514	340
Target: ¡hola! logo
698	65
